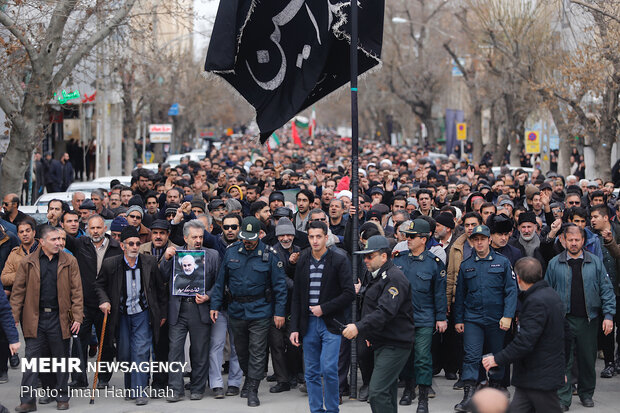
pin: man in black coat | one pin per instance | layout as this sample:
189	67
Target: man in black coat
131	290
190	314
287	359
538	349
90	252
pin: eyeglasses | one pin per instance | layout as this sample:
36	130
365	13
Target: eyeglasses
6	203
134	216
233	226
412	236
133	244
573	202
320	219
170	214
368	257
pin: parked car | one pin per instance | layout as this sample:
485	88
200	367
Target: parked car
150	166
84	186
497	169
175	159
40	206
105	180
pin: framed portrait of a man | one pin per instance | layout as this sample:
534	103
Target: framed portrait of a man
189	273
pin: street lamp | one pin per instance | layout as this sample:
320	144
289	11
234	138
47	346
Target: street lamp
398	20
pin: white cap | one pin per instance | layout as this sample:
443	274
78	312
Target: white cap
346	193
387	162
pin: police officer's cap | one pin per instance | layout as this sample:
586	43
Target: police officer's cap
375	243
481	230
250	229
418	227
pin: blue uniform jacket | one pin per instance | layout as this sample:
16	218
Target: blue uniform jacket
427	275
248	273
6	318
597	289
486	290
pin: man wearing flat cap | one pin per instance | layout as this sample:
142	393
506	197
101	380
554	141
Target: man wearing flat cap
160	232
86	210
131	290
485	304
427	275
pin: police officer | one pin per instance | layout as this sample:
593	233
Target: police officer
386	323
486	299
427	275
255	278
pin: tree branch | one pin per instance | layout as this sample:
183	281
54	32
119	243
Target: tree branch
89	44
456	61
11	111
7	22
595	9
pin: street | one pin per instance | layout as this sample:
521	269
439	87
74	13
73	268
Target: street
606	399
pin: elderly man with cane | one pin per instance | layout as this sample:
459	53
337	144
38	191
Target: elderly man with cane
131	290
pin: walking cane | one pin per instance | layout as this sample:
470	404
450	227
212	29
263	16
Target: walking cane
105	321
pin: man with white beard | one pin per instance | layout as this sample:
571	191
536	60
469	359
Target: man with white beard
527	239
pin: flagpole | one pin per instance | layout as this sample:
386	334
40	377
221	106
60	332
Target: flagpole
354	184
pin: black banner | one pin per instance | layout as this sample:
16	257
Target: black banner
284	55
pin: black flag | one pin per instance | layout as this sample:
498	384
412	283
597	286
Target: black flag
284	55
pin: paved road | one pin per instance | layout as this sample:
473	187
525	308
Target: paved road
606	398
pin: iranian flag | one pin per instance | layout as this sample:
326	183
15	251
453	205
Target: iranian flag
298	122
273	142
312	127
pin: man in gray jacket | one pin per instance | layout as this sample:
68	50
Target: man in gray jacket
582	283
190	314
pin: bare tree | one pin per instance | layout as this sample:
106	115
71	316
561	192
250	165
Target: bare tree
516	40
415	67
588	81
45	42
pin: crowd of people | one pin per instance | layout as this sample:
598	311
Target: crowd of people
460	270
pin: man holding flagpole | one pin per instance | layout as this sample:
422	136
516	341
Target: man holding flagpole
283	59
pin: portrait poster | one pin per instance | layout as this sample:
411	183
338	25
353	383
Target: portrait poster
188	273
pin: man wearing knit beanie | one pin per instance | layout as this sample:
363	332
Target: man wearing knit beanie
134	218
444	230
116	227
288	253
